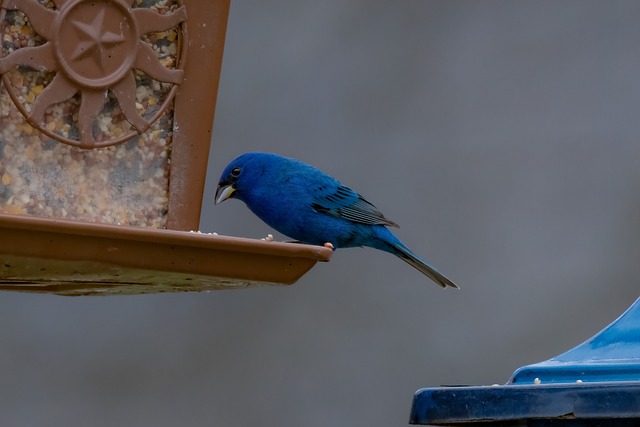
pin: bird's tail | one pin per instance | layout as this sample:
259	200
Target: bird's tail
426	269
404	253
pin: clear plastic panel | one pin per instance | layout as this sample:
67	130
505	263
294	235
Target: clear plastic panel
97	151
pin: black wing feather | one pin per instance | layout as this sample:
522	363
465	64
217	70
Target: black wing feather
347	204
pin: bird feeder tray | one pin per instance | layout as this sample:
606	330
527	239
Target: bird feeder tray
594	384
67	258
106	110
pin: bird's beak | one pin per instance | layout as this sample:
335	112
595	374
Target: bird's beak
223	192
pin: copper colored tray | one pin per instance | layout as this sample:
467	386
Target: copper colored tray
69	258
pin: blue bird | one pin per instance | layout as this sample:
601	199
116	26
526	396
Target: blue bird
308	205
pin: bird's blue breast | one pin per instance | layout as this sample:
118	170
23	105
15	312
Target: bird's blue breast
286	204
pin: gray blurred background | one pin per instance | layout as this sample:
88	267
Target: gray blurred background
501	135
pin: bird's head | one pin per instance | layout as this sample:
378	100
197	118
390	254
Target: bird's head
241	176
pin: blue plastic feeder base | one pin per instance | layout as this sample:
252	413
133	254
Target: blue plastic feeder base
585	404
594	384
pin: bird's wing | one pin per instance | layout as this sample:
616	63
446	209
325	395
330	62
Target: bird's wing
345	203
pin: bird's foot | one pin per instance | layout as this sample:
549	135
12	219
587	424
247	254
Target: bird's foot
329	245
269	238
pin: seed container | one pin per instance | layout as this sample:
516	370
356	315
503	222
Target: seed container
106	111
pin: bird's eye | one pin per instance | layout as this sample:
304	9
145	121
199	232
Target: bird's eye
235	172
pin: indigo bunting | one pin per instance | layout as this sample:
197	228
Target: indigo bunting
308	205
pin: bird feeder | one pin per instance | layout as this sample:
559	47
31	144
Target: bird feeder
106	110
594	384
